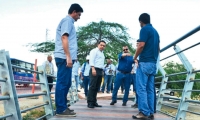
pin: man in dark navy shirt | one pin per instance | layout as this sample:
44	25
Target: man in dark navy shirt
123	75
147	50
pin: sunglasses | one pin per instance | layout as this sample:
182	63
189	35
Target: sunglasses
125	49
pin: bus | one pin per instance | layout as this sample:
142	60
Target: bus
22	75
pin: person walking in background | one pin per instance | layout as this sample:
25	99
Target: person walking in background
123	75
147	50
109	71
97	64
49	69
65	53
75	75
85	69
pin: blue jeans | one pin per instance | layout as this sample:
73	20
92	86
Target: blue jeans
63	84
121	78
86	82
134	87
145	87
107	81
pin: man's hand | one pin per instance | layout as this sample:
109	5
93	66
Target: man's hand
94	73
82	78
69	62
136	62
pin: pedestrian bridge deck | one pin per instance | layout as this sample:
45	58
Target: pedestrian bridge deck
107	112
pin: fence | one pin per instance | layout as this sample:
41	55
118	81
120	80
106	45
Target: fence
10	96
185	100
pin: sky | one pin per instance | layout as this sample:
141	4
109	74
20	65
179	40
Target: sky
26	21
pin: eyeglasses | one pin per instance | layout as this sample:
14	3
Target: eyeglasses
125	49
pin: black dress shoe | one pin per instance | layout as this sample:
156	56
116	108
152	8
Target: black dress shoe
96	105
113	102
124	104
90	106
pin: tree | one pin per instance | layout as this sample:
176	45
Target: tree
114	34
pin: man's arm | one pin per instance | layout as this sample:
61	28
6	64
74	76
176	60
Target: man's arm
139	49
65	44
92	57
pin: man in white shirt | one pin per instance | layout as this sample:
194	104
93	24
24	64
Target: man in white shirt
75	75
97	64
109	71
85	69
49	69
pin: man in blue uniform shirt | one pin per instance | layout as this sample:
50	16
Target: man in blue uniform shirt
123	75
147	50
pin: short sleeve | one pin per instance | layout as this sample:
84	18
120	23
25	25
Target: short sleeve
143	35
120	56
66	27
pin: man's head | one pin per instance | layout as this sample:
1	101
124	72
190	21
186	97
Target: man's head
125	49
109	61
101	45
75	11
49	58
144	19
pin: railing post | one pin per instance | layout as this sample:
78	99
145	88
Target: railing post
188	85
162	86
11	106
45	88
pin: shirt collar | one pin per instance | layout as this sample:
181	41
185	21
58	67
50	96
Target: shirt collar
98	49
71	18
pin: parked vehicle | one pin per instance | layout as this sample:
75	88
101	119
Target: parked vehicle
22	75
168	91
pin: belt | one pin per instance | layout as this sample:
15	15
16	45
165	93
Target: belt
98	68
124	72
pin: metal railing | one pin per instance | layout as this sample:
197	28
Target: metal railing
185	100
10	96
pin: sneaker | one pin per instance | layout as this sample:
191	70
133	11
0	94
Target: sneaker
151	116
70	109
140	115
134	106
67	113
113	102
124	104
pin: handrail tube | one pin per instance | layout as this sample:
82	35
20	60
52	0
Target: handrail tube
180	73
30	95
192	112
195	71
181	51
158	83
51	83
52	92
28	109
1	63
4	97
1	80
14	66
193	101
159	77
170	97
175	81
196	80
181	38
41	118
193	91
174	89
166	113
18	81
5	116
169	106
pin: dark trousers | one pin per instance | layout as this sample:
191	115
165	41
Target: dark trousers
86	82
95	82
50	80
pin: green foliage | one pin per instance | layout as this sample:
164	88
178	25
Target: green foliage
33	114
88	36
